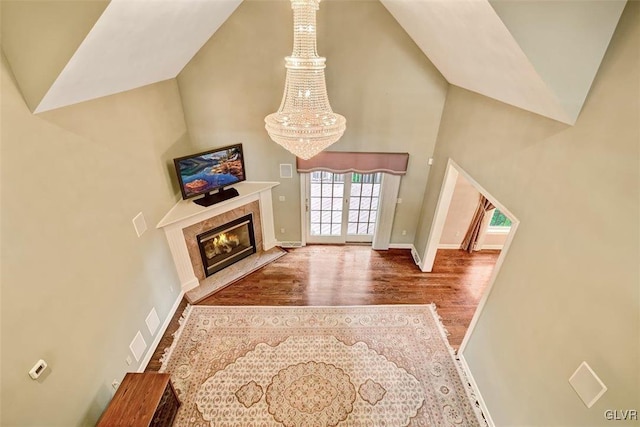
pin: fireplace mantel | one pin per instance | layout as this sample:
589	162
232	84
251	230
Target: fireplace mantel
186	213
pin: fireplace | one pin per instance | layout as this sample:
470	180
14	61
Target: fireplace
227	244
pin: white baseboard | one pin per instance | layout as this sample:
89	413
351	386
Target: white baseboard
448	246
159	333
401	246
416	257
499	247
453	246
290	244
483	405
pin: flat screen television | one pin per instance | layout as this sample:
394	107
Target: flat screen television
206	172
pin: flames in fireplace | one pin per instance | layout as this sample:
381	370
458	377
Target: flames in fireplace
222	244
226	244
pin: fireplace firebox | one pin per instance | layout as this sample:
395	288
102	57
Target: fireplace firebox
227	244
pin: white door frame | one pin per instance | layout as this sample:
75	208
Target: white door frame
437	225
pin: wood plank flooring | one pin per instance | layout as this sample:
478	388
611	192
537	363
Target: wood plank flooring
322	275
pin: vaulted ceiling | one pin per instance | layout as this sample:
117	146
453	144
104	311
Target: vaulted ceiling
538	55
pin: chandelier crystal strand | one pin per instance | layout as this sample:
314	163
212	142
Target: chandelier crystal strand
305	124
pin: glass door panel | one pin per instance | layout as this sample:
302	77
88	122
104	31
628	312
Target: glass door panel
342	207
363	206
325	201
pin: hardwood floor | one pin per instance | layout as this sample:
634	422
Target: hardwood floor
356	275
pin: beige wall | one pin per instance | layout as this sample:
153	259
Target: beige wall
494	240
391	95
568	289
463	205
77	283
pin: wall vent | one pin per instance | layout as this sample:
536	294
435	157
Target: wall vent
587	384
416	257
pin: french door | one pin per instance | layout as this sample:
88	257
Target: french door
341	207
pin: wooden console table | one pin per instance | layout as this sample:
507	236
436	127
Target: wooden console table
146	399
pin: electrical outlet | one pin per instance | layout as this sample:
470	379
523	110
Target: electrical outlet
282	198
128	360
115	384
399	200
282	230
404	232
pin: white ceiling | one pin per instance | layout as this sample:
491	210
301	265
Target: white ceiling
564	40
544	60
537	55
472	48
135	43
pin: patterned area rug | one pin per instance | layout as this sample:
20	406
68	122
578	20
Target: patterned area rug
317	366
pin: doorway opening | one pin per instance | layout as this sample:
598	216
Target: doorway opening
497	227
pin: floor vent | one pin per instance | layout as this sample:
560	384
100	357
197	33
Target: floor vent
416	257
290	244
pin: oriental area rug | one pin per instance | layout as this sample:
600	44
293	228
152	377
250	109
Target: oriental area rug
317	367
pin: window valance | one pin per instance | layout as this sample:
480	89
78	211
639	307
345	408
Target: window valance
346	161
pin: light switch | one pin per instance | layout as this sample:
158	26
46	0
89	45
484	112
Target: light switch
587	384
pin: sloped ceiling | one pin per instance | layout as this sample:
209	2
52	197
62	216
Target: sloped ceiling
541	56
40	36
473	49
565	41
135	43
537	55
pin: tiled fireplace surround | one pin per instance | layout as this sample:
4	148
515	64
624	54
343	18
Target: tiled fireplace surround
190	233
186	220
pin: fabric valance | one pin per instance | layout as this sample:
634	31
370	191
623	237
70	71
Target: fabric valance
346	161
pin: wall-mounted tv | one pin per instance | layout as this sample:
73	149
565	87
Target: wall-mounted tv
203	173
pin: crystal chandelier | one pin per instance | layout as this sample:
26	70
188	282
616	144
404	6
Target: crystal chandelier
305	124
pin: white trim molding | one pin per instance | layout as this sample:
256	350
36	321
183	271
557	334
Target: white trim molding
454	246
290	244
304	207
386	211
498	230
401	246
449	246
492	247
186	213
160	333
483	406
440	217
